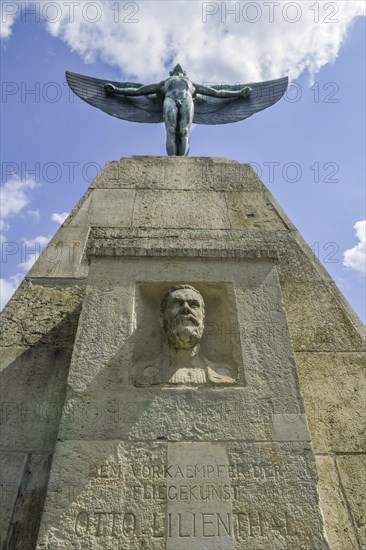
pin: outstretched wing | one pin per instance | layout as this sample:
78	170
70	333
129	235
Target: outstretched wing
135	109
213	110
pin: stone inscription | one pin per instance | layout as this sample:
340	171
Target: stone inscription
194	496
126	525
199	504
155	472
191	482
241	524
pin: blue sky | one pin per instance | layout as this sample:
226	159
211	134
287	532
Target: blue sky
308	148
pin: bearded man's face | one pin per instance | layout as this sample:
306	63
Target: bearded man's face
183	318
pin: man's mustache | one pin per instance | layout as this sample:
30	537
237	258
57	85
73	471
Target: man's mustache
189	316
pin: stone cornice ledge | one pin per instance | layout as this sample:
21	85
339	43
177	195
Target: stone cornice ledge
224	244
221	253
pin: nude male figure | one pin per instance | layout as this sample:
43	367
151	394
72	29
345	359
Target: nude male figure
178	102
179	93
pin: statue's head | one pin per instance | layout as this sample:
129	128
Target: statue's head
182	314
177	71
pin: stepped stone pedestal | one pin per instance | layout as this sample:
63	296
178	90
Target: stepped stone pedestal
227	415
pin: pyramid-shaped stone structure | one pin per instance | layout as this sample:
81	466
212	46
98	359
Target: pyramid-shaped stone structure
87	455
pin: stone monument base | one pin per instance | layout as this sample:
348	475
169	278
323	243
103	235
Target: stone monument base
145	452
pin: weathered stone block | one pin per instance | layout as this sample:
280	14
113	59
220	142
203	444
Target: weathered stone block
40	314
23	526
252	210
179	209
352	471
317	321
338	523
63	256
12	468
33	386
182	496
334	389
200	173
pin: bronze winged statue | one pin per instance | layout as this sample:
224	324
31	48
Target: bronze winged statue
178	102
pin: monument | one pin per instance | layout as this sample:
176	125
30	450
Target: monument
180	372
178	102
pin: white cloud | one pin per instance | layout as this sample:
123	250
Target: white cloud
265	41
59	218
8	287
14	195
31	250
9	13
215	41
34	214
355	258
4	226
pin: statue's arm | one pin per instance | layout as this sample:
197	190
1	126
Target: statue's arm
111	89
224	94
